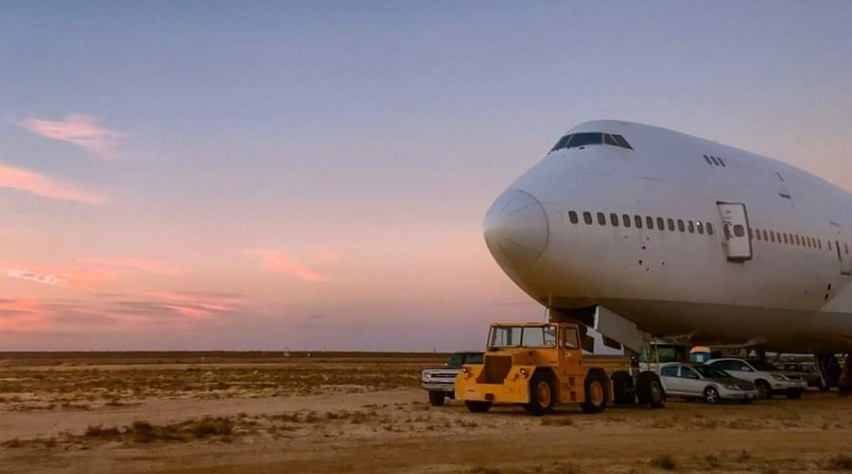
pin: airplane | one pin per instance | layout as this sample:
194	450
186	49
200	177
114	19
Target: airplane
641	232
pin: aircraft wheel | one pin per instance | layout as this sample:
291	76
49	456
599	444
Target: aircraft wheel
436	398
650	391
542	394
597	392
477	407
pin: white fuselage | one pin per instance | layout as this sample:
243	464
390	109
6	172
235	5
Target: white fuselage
773	273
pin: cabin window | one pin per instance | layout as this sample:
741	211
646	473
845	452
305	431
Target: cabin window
750	234
661	224
700	226
587	218
625	219
690	227
784	235
847	248
829	245
709	229
572	216
637	221
649	222
819	244
601	218
757	234
680	225
798	240
764	235
613	219
739	230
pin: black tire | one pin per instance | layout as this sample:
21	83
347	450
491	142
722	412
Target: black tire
476	406
622	387
542	394
649	390
711	395
764	388
596	389
794	394
436	398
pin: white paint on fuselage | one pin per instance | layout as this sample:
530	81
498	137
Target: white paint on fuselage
672	282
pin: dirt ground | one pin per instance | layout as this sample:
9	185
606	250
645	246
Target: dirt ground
365	414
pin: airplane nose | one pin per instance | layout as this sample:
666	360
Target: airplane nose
516	229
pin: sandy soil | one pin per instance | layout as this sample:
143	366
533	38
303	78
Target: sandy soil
387	426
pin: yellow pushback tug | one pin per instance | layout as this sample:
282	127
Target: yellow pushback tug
538	365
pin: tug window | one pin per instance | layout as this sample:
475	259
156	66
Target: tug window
572	216
601	218
587	218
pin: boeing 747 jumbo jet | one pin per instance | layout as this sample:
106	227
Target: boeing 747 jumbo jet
641	232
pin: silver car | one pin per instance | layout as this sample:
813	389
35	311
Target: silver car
705	382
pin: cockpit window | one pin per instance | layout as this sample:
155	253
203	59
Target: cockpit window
577	140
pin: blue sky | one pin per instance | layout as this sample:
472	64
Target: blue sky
255	173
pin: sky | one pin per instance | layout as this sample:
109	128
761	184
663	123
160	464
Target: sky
248	175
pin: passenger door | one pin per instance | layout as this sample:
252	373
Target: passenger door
691	381
735	230
670	379
842	248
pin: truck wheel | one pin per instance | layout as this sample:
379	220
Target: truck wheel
711	395
649	390
477	407
542	394
764	388
436	398
597	393
622	386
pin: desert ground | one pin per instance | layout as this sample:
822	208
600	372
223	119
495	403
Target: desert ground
364	413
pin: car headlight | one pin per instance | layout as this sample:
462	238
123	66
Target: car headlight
732	387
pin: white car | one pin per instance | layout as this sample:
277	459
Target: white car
766	377
705	382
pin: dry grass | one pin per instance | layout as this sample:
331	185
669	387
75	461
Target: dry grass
840	462
664	461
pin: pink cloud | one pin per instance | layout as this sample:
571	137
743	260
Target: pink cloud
138	264
280	262
80	130
196	305
39	185
62	278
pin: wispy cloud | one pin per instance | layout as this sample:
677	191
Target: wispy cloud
280	262
34	183
196	305
80	130
56	277
138	264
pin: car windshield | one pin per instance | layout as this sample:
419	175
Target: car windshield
522	336
710	372
761	365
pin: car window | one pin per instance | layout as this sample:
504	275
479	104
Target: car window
669	371
688	373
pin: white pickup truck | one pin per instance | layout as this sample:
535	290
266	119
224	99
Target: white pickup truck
441	382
